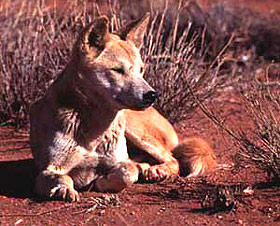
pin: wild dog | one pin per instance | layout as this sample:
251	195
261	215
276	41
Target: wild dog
79	130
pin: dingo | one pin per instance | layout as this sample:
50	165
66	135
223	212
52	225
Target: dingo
81	127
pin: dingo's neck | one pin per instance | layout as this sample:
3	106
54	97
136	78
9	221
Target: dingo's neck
94	116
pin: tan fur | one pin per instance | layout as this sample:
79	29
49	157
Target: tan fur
149	131
80	128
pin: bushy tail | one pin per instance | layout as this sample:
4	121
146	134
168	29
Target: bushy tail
195	157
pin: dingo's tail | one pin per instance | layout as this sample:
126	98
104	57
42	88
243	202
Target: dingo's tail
195	157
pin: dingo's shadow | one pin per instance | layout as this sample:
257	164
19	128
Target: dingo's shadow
17	178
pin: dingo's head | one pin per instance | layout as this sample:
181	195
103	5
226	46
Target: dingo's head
111	64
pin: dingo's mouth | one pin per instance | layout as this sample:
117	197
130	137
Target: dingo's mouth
136	107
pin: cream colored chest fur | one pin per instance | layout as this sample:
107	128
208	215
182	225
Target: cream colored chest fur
111	147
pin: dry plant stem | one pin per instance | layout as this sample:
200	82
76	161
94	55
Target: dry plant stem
210	114
214	117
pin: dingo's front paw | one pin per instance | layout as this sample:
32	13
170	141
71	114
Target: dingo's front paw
63	192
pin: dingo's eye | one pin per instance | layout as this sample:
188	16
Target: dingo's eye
119	70
141	70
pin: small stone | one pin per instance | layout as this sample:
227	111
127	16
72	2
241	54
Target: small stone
248	191
18	222
101	212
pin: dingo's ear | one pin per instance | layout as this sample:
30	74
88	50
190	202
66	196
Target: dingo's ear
95	35
135	31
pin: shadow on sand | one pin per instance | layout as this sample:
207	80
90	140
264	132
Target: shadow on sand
17	178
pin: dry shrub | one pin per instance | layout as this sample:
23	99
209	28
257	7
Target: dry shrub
260	146
36	45
31	56
253	30
263	147
176	62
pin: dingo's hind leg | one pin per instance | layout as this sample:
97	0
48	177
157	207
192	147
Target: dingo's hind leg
153	134
120	176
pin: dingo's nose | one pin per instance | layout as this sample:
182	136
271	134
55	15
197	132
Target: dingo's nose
150	97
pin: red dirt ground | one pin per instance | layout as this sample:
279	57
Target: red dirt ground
166	203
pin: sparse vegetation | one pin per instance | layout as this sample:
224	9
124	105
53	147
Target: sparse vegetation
35	46
262	147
